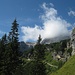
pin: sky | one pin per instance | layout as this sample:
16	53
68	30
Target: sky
49	18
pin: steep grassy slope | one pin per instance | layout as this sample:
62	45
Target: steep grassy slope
68	68
51	64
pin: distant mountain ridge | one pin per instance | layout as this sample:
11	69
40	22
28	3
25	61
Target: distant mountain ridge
26	46
56	39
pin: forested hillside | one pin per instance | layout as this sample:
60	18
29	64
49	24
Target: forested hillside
19	58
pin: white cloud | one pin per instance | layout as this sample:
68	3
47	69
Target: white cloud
31	33
51	4
53	26
71	13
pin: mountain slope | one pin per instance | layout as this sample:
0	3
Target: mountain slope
68	68
56	39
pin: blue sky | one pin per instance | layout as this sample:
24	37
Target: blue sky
28	12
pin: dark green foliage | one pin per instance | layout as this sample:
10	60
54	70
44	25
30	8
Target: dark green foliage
69	50
10	57
14	47
34	68
39	52
3	59
48	57
38	68
58	46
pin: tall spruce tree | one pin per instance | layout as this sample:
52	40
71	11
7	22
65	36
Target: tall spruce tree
14	48
39	50
39	53
10	57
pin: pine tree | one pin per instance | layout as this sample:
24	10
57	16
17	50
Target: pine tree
39	53
10	57
14	47
39	50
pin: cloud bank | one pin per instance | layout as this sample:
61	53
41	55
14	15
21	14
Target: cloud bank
53	26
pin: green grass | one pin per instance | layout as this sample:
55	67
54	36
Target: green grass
68	68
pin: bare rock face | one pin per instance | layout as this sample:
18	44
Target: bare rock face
73	41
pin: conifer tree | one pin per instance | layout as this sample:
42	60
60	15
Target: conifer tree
14	47
10	57
39	50
39	53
